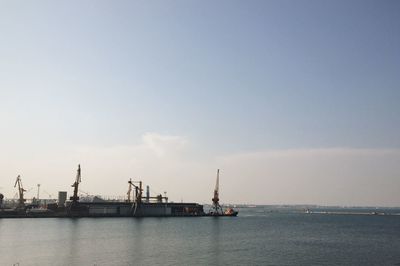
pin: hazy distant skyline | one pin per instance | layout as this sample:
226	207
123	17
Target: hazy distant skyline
297	102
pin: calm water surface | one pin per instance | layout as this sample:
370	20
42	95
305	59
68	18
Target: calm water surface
257	237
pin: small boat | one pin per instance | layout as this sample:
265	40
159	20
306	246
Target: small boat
230	212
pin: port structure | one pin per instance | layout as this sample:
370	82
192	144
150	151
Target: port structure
21	190
136	191
216	208
139	204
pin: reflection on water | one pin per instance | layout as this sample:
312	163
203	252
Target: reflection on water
272	239
134	253
73	229
215	241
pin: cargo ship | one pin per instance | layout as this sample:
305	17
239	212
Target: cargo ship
136	205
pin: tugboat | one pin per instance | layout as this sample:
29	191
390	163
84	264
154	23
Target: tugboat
230	212
216	209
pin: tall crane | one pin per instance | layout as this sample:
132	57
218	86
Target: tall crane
216	208
75	185
21	190
138	196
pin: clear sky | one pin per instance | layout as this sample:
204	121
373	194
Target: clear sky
295	101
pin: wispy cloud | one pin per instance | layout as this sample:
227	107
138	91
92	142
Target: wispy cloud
163	144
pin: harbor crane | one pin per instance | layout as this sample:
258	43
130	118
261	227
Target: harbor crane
138	190
138	195
216	207
75	185
21	190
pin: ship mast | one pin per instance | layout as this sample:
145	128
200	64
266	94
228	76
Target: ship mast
21	190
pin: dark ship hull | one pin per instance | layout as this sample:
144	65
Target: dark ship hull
110	209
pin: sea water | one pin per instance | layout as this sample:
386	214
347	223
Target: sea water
258	236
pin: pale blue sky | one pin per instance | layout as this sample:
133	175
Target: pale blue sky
228	76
